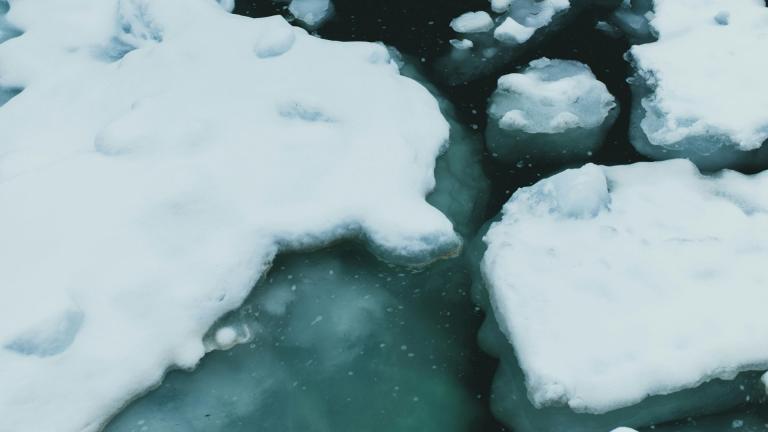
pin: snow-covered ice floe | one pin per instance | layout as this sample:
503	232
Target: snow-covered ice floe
619	285
700	91
552	111
156	162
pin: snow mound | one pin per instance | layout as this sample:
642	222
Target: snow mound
701	91
156	162
552	106
622	271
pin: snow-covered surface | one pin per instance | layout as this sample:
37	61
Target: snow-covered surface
472	22
709	78
615	283
154	165
550	96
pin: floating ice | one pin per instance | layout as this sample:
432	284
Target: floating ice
143	194
510	31
518	24
700	91
472	22
311	12
647	278
553	110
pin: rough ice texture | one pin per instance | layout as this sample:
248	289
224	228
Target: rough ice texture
553	110
550	96
706	74
647	279
153	166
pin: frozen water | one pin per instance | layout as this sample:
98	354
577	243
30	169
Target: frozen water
144	194
634	249
677	110
552	111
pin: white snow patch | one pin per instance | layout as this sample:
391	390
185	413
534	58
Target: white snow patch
150	171
646	279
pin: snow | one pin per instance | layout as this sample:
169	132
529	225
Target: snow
472	22
154	165
707	72
511	31
551	96
647	278
500	6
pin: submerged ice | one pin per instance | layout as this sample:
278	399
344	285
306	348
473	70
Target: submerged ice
552	111
144	194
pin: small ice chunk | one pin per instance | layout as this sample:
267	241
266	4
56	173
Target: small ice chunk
462	44
226	337
623	429
311	12
510	31
472	22
500	6
552	110
764	380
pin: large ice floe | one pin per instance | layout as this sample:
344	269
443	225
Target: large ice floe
700	91
154	164
552	111
631	295
338	340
